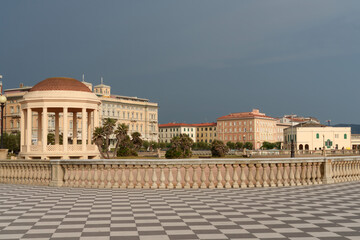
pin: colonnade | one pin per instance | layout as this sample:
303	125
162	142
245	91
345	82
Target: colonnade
89	120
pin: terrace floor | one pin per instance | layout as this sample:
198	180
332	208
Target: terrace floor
311	212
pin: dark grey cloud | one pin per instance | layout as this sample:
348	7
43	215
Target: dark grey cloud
198	59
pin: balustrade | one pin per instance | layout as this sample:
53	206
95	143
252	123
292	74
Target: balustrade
188	174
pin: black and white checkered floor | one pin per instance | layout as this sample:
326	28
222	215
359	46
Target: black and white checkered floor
313	212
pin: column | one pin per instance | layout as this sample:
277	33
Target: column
22	130
39	129
28	129
57	137
65	129
44	128
89	127
83	129
74	128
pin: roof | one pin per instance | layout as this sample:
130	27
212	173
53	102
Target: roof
187	125
309	124
101	85
60	84
245	115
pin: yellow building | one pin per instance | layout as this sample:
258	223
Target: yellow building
205	132
314	136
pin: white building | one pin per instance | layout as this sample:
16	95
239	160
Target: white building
169	130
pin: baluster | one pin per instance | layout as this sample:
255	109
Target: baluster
227	176
9	173
83	176
131	177
108	176
77	176
146	177
349	170
48	174
116	176
298	174
154	177
292	174
171	178
243	176
123	176
71	176
318	173
195	179
308	173
219	176
39	175
96	176
15	174
257	175
272	175
279	175
235	176
162	177
211	176
251	176
66	175
265	175
357	170
187	177
303	173
352	170
102	176
203	176
138	177
313	174
6	173
89	176
20	174
339	171
343	164
1	173
178	177
285	174
43	175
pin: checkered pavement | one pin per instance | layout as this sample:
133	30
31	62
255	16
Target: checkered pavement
310	212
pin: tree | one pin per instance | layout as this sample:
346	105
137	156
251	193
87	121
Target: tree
154	145
239	145
121	132
108	128
201	146
219	149
248	145
267	145
12	142
51	138
146	145
99	139
136	140
180	147
231	145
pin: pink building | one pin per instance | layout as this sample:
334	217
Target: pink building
254	127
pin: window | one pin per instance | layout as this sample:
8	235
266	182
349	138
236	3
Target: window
317	136
345	136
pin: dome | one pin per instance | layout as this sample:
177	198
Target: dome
60	84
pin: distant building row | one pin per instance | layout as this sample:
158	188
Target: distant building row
256	127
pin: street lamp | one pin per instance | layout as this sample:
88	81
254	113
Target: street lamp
292	148
2	102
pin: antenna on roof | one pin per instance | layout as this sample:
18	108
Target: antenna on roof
102	80
83	77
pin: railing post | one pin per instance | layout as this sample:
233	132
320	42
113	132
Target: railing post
57	174
327	178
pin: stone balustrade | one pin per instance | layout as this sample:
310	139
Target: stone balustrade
182	173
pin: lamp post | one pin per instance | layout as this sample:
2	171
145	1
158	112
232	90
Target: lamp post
2	102
292	147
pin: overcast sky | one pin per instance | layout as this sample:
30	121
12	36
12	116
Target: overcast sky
198	59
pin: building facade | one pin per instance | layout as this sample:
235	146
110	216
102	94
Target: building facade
169	130
254	127
314	136
205	132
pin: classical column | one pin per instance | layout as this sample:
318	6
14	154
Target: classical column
89	127
28	129
39	129
57	138
22	130
44	128
83	129
74	128
65	129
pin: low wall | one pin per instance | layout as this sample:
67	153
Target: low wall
182	173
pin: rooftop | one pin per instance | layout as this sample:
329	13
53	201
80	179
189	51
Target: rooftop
254	114
60	84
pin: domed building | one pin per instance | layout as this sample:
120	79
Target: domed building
72	108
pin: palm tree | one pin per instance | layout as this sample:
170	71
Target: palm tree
136	140
120	133
98	138
108	126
